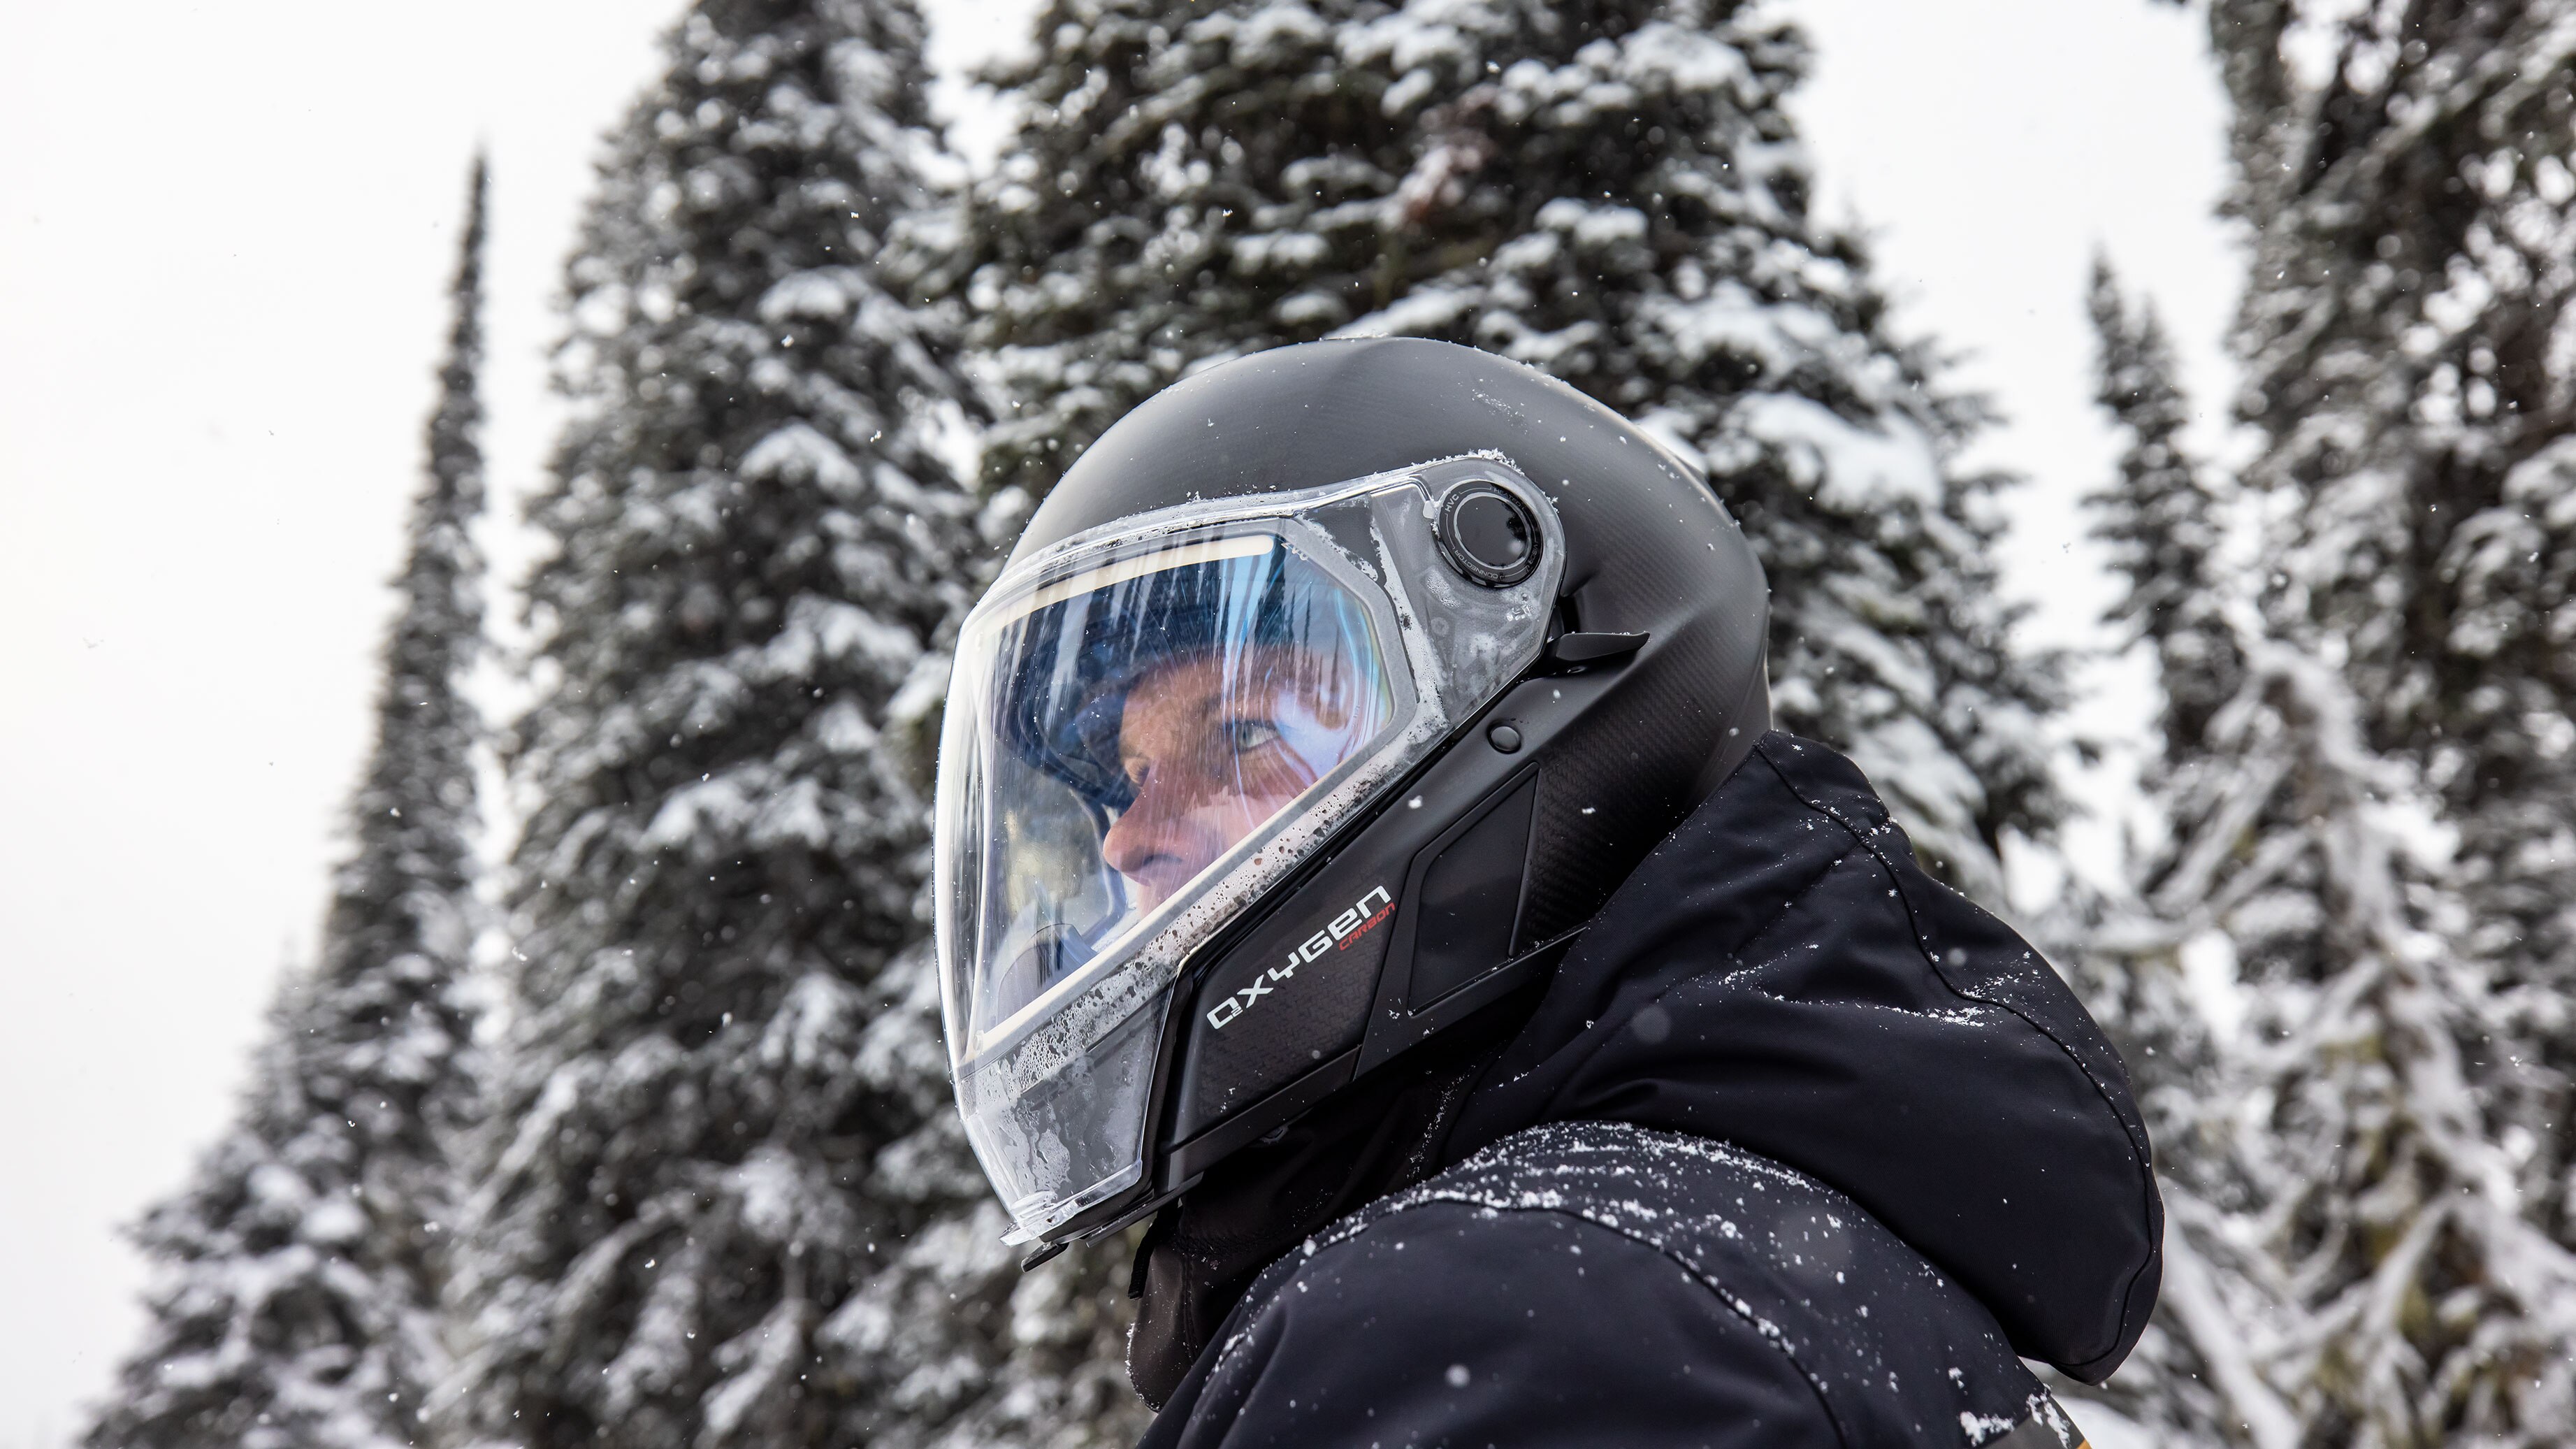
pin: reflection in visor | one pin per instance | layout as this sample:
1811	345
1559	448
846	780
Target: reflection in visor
1153	716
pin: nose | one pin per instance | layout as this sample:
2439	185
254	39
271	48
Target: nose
1154	843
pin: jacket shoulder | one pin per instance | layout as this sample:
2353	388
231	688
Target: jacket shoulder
1598	1282
1453	1323
1781	974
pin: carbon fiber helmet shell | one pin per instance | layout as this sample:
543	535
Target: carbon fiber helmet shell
1605	757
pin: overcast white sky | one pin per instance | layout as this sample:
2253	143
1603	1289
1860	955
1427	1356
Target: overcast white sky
224	235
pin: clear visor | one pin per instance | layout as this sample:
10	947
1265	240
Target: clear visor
1143	735
1148	718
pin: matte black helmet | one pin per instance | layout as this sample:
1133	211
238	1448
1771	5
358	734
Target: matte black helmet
1322	703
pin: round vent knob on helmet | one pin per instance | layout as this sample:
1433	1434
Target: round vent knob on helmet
1487	535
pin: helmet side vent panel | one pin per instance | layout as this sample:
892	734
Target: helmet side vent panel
1614	786
1470	900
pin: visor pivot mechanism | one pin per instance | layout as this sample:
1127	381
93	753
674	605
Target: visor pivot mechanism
1487	535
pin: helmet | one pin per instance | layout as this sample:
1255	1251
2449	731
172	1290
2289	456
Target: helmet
1319	706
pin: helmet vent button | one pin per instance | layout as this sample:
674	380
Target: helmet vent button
1488	535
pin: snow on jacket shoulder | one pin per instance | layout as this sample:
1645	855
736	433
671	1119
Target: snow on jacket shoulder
1596	1283
1782	985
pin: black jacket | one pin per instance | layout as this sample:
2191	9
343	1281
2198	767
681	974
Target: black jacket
1885	1152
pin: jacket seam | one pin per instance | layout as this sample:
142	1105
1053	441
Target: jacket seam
1913	918
1780	917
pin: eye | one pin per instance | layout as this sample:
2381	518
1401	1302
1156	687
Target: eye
1243	736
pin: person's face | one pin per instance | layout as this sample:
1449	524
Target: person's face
1215	745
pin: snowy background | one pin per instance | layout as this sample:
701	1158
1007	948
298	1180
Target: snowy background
220	301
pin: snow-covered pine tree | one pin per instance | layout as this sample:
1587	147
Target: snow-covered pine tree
2363	1273
2191	1377
301	1266
2407	368
726	1199
2164	521
1610	190
2345	1263
2404	1142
